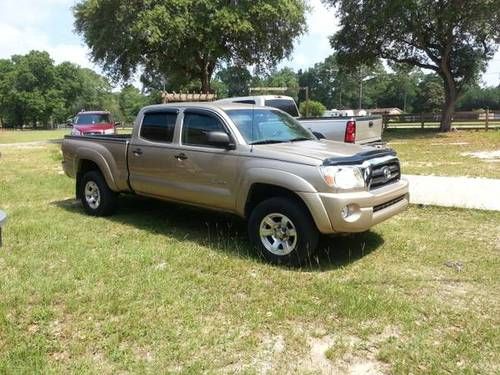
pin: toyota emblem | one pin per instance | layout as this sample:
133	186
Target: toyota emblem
387	173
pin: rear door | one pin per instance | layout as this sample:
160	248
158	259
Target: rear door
152	155
368	129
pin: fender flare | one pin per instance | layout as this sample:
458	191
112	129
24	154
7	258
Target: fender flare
85	153
276	177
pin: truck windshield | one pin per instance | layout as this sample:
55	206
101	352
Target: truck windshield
92	118
261	126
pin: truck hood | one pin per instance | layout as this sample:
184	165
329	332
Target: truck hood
310	152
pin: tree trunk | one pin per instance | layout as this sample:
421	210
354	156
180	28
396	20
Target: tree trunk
451	96
205	82
207	67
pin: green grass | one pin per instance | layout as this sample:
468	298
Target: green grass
427	152
16	136
435	125
162	288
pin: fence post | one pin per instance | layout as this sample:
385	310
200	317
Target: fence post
422	120
487	121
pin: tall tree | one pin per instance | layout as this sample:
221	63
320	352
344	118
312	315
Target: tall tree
236	78
188	38
453	38
429	97
131	101
28	90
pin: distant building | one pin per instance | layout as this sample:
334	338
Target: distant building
385	111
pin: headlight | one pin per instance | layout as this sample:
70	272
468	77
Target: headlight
344	178
75	132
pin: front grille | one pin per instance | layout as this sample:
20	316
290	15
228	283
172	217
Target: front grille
384	174
388	204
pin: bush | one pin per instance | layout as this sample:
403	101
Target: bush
316	109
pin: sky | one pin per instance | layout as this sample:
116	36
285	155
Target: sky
48	25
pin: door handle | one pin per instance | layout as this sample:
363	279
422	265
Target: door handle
137	152
181	156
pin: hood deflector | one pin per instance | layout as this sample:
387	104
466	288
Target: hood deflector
358	158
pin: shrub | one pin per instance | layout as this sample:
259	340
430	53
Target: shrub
316	109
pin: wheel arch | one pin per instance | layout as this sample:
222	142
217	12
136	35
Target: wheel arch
92	161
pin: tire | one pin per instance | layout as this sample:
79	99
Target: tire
279	217
96	196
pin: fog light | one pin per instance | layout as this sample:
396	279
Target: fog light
346	212
349	210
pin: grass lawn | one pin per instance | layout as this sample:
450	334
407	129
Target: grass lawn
428	152
166	289
16	136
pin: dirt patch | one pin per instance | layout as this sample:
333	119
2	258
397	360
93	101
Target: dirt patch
26	145
320	353
351	354
488	156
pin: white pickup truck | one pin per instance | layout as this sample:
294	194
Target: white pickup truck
363	130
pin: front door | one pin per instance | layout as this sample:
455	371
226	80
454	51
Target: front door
208	174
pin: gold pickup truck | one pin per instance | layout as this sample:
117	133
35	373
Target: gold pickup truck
256	162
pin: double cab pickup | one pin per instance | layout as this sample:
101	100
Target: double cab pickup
255	162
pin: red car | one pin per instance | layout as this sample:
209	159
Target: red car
93	123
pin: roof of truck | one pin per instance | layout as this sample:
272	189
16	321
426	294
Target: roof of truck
93	113
253	97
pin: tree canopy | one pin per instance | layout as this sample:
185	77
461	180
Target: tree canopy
36	92
188	39
453	38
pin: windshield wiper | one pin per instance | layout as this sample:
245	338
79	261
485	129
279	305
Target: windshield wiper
266	142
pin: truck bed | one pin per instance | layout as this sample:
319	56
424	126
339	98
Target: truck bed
110	152
368	128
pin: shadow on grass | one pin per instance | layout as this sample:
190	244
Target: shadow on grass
224	232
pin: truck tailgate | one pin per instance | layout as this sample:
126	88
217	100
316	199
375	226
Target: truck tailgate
368	129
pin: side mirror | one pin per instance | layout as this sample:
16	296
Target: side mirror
118	123
220	139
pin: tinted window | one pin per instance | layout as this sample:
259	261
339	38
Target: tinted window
285	105
196	128
92	118
158	126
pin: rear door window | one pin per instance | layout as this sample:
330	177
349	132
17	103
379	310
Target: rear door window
158	126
